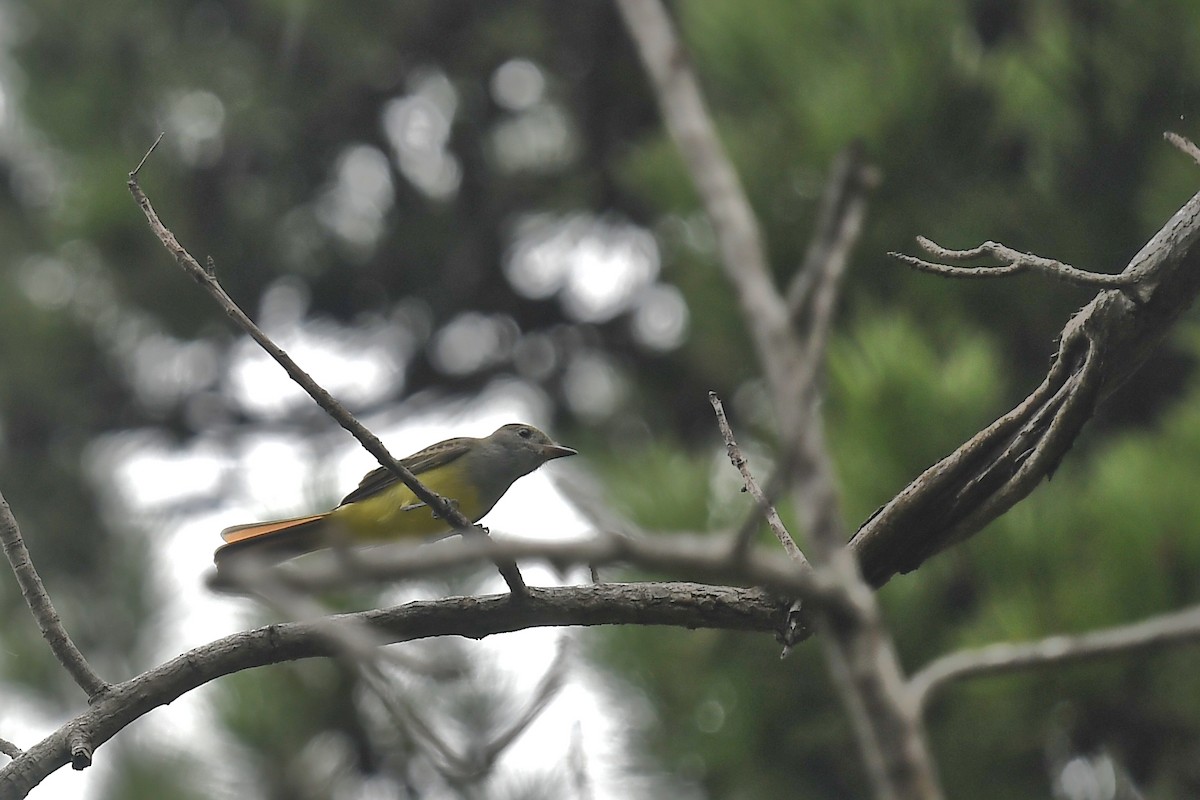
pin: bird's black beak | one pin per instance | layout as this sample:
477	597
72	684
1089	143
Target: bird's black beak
558	451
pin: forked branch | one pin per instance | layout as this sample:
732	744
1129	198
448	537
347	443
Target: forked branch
1100	346
1010	262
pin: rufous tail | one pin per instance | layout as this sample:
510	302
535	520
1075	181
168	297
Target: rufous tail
271	542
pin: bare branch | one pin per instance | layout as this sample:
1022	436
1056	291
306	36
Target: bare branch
682	605
739	240
36	597
1184	144
208	281
1100	346
742	540
890	734
1179	627
840	219
1012	263
146	157
9	749
789	374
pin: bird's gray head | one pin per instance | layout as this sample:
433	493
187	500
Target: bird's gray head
518	449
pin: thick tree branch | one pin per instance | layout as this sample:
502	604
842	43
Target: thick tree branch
48	621
680	605
1100	346
371	443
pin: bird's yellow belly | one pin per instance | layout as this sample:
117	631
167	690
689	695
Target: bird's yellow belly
395	513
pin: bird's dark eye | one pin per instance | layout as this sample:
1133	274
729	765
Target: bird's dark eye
524	433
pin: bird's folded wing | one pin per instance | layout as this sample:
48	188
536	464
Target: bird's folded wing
432	457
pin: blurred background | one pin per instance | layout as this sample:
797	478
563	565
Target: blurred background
461	214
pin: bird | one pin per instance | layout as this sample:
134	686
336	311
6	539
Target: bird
471	473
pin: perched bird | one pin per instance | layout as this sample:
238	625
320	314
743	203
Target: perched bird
472	473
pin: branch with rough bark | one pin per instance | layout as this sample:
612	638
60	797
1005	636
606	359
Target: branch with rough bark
1100	346
681	605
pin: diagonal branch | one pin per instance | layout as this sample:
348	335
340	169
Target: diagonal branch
1184	144
739	239
742	538
1100	346
860	652
48	621
207	279
840	218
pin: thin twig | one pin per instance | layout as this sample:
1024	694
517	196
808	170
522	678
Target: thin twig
1184	144
839	223
1012	262
1158	631
149	152
741	541
38	600
442	507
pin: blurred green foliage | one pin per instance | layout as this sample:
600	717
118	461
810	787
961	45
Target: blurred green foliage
1034	123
